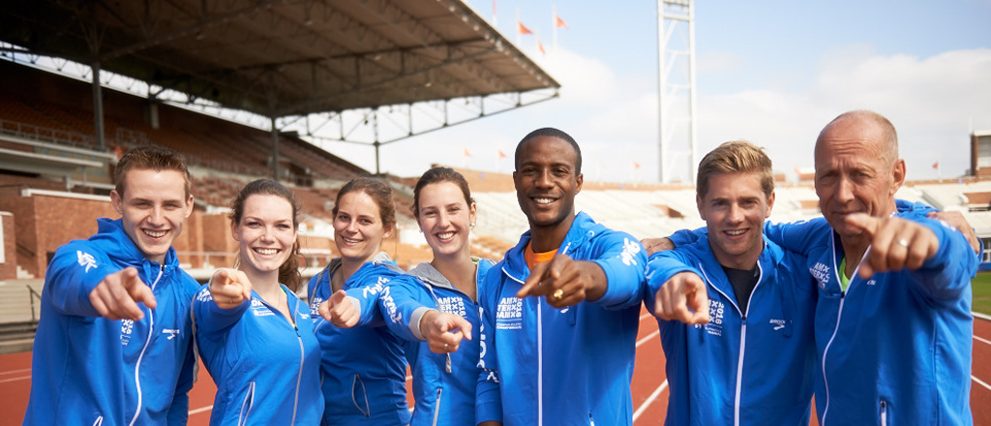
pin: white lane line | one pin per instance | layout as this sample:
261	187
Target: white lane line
649	336
23	370
981	316
983	340
650	400
987	386
200	410
15	379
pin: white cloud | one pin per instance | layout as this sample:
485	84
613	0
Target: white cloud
930	100
719	62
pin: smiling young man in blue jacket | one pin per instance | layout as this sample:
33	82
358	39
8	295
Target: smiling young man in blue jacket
113	343
735	311
560	313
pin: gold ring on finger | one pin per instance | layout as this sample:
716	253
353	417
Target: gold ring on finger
558	294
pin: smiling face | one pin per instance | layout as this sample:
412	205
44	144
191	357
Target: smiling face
445	218
266	232
857	171
153	209
358	227
547	182
734	208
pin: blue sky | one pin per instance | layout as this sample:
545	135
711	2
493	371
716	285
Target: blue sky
771	72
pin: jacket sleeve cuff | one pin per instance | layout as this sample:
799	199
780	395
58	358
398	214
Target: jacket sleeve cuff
414	322
488	412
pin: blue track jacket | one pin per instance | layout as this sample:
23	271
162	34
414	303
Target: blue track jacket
443	385
742	368
543	366
896	348
89	370
266	369
363	368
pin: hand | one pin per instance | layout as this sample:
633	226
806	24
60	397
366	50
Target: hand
654	245
565	281
339	310
118	294
683	298
444	331
958	222
229	288
896	243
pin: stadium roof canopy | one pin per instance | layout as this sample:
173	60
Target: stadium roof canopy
279	58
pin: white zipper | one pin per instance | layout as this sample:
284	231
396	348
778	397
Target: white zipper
739	373
743	336
839	316
302	351
302	357
151	331
540	367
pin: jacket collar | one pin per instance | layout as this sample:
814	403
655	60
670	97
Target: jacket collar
119	247
428	274
583	228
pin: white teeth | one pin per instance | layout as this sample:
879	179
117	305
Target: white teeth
350	241
155	234
737	232
264	251
445	235
543	200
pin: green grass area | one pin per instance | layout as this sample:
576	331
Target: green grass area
982	293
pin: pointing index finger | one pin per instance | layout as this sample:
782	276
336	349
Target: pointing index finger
532	287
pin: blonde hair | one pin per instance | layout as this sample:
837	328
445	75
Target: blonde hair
735	157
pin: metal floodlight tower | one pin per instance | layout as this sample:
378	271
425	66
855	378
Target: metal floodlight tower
676	87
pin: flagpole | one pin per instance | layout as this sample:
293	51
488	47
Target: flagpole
554	23
518	36
495	19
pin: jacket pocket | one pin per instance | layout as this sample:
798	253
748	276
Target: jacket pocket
246	405
440	391
359	395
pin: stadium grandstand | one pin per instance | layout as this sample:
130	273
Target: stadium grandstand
240	87
55	178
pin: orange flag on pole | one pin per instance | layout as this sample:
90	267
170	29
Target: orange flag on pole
522	29
558	22
936	165
501	154
467	154
541	47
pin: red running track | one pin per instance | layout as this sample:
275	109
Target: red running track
650	391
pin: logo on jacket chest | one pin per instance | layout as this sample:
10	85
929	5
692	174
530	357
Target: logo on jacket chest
126	327
716	311
315	306
259	309
452	305
821	273
509	315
